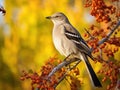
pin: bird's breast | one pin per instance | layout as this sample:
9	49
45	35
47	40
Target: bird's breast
62	43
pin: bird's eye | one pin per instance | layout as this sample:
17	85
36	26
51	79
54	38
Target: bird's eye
57	16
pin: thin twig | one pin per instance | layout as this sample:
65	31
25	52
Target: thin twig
61	79
91	37
101	55
64	63
109	34
69	69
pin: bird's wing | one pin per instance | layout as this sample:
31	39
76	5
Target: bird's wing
72	34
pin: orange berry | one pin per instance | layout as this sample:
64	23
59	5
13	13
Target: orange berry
108	87
104	79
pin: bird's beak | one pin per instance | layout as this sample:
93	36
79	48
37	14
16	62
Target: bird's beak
49	17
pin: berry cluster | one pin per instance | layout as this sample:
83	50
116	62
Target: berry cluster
110	72
106	51
114	41
100	10
42	82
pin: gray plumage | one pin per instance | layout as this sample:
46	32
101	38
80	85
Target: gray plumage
67	40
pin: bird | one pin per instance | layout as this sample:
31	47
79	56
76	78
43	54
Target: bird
67	40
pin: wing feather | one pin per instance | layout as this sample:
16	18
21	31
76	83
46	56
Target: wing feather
78	40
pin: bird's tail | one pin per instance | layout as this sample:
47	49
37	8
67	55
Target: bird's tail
91	72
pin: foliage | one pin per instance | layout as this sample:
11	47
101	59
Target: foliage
26	43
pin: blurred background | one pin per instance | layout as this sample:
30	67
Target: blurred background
26	41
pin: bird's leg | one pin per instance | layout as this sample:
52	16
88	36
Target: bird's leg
68	57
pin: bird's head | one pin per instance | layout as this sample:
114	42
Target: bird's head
58	18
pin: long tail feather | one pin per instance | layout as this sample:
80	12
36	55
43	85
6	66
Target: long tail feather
91	72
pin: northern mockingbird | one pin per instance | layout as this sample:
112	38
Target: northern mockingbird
67	40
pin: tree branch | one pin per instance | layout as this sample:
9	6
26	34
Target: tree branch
64	63
108	35
69	69
91	37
